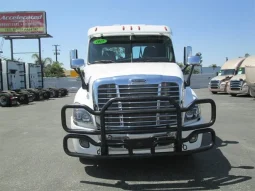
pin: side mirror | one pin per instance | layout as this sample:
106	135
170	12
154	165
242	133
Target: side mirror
194	60
187	53
217	73
74	61
77	63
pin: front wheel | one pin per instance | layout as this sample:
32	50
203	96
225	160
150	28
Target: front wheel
214	92
23	98
252	93
233	95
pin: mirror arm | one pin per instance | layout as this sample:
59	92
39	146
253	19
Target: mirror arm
189	76
83	84
186	66
184	57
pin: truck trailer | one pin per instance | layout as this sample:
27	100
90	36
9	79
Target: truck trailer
14	83
6	98
134	100
250	75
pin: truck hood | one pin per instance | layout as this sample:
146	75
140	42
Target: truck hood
96	71
222	77
238	77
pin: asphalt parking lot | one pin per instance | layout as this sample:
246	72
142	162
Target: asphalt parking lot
32	156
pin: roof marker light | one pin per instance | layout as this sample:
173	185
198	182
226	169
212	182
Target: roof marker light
95	29
138	27
123	28
131	28
165	28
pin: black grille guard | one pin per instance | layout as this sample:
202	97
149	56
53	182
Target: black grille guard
131	144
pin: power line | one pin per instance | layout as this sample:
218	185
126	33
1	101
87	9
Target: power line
56	53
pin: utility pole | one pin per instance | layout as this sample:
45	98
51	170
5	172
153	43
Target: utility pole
56	53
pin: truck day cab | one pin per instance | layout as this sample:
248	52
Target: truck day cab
134	100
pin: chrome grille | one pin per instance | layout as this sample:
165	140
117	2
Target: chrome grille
235	85
214	84
108	91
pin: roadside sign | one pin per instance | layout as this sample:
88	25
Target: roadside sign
23	23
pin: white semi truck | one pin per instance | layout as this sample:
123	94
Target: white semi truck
134	100
238	84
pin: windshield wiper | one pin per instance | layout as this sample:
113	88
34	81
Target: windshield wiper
103	61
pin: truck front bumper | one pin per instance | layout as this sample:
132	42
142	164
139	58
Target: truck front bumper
243	90
132	145
221	88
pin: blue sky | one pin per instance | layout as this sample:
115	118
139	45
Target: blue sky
218	28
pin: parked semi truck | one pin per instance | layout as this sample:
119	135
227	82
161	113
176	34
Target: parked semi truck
13	84
34	84
220	83
250	75
134	100
238	84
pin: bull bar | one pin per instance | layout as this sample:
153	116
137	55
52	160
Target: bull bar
142	143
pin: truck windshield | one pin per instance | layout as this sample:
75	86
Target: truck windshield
241	71
227	72
119	49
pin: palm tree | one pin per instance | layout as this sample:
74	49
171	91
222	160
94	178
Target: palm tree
246	55
44	61
213	66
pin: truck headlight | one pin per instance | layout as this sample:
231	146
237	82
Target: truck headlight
193	113
82	118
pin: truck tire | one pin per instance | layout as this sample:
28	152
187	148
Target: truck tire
46	94
54	92
36	94
214	92
24	99
64	91
233	95
252	93
5	100
61	92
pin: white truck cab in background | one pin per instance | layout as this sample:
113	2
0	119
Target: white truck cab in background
134	100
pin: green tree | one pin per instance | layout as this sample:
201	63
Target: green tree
187	70
54	70
213	66
44	61
200	54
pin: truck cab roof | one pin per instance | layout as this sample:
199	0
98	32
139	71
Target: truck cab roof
232	64
249	61
129	29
